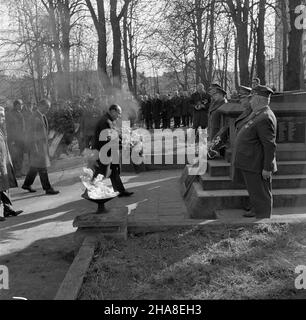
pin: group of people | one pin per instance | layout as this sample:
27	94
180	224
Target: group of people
253	156
29	135
26	131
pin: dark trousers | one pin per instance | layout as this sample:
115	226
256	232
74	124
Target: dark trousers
156	123
260	192
116	179
177	122
166	123
4	198
17	151
44	178
185	120
149	123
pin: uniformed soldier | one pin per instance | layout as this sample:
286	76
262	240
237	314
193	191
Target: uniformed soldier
220	140
148	112
214	116
201	102
185	109
244	97
167	112
177	109
254	153
156	111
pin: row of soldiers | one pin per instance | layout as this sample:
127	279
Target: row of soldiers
159	111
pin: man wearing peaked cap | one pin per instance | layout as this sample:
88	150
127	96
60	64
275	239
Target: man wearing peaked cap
254	152
263	91
214	120
244	97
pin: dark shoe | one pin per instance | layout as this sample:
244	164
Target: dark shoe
2	219
11	213
250	214
52	192
28	189
125	194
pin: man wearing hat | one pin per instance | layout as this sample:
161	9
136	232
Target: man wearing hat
214	117
200	101
244	94
254	152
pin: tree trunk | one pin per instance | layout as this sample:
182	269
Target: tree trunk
236	65
294	66
240	15
126	51
211	41
100	25
66	27
260	53
116	63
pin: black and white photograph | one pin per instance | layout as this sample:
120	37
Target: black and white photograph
153	154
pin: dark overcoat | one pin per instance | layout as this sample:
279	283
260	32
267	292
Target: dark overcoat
214	120
38	141
255	144
240	120
104	123
200	117
7	174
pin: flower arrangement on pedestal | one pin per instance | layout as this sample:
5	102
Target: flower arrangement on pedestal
96	187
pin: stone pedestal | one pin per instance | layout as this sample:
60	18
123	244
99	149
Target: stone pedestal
111	225
205	194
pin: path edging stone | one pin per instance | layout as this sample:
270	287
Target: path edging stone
73	281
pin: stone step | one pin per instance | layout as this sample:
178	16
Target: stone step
161	162
291	214
279	182
281	155
203	204
219	168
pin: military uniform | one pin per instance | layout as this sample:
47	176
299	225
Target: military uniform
254	151
214	115
200	114
156	111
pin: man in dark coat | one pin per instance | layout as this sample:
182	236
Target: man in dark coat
214	121
39	150
156	111
167	112
177	109
16	138
201	102
107	123
185	109
244	97
254	153
148	112
7	175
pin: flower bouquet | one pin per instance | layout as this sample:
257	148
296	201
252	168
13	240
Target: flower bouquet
96	190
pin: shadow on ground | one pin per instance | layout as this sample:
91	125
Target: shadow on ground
36	272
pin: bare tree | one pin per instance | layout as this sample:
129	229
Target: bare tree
99	20
115	20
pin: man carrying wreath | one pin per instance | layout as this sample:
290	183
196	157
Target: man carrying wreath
104	124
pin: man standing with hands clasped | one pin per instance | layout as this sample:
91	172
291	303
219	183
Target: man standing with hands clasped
254	153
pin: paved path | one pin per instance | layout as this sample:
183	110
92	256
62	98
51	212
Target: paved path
37	246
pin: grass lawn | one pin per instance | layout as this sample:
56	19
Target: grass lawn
217	262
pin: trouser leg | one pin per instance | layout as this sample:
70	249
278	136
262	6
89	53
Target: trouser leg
44	178
29	180
115	179
7	204
260	192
